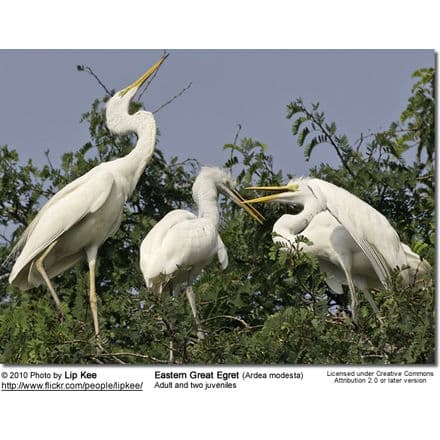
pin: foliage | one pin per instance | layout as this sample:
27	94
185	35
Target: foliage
269	306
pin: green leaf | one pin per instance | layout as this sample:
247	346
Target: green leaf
302	136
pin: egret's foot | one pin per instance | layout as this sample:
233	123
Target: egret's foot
351	319
381	320
353	322
354	318
341	317
61	315
100	343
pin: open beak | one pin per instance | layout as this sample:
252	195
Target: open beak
281	192
144	77
241	202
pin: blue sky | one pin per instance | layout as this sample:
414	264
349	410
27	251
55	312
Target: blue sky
43	96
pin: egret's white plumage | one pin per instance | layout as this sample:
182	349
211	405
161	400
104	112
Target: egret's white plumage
180	239
354	243
180	245
81	216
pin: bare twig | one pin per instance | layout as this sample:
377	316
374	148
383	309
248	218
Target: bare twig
46	153
147	84
6	239
75	341
234	142
426	176
97	360
235	318
119	361
360	141
137	355
194	163
173	98
91	72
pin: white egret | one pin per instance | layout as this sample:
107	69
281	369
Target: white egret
354	243
77	220
180	245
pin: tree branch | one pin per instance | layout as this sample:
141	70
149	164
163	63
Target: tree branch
235	318
46	153
6	239
97	360
234	142
82	68
127	353
173	98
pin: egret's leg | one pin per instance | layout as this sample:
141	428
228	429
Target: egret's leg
192	302
372	304
171	355
363	286
354	300
93	299
346	267
91	258
171	346
40	267
345	262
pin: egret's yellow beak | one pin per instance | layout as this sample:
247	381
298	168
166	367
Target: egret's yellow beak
236	197
253	212
144	77
291	187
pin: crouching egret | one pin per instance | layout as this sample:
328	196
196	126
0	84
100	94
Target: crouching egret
355	244
76	221
180	245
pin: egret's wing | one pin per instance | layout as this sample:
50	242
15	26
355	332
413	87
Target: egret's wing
222	254
61	212
60	195
179	240
153	241
368	227
152	262
333	276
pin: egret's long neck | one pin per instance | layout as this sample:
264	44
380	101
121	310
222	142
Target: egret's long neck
286	229
205	194
133	165
288	226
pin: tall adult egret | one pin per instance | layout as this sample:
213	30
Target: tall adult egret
77	220
180	245
355	244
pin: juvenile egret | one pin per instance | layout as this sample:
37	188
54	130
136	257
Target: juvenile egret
182	243
355	244
77	220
